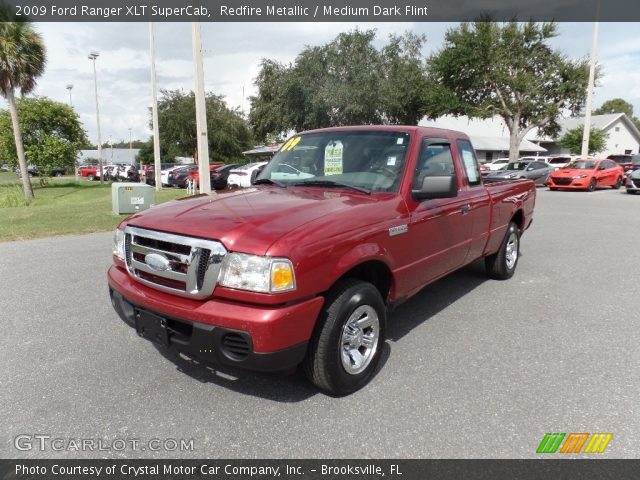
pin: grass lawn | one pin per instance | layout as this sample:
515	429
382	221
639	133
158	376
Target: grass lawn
64	207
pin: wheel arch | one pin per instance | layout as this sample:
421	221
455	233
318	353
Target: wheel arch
374	271
518	219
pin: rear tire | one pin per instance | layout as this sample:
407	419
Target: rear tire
618	184
502	264
347	342
90	176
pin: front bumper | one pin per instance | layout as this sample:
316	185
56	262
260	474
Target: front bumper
248	336
574	184
633	185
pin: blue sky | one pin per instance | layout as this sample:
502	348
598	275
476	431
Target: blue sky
232	55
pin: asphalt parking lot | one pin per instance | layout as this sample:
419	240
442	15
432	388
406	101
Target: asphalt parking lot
473	368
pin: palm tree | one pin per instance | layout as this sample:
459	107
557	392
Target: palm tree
22	60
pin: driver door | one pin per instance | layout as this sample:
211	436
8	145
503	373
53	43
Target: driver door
440	228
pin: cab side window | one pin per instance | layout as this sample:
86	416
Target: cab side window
470	163
435	161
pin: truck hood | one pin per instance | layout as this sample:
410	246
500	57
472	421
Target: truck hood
250	220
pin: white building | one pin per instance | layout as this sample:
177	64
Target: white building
109	155
623	136
490	137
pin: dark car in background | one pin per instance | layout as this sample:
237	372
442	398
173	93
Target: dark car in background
633	182
150	174
220	175
33	171
629	162
180	176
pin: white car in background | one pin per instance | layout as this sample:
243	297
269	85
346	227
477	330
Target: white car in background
561	161
497	164
245	175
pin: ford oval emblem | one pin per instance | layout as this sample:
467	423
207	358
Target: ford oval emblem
157	262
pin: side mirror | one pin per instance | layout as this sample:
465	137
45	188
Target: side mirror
436	187
529	169
602	167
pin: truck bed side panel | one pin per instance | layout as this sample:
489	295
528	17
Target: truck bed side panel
508	198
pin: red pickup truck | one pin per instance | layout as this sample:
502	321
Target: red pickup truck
342	225
88	171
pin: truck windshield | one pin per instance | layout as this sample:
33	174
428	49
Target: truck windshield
369	160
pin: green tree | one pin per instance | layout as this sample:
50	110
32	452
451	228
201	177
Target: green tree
405	82
346	81
145	155
618	105
615	105
506	69
267	115
573	140
22	61
229	133
52	135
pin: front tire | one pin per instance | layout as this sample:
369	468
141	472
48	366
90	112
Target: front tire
502	264
347	343
592	185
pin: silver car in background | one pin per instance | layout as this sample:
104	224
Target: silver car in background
538	171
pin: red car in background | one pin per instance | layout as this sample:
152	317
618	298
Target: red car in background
88	171
195	175
587	175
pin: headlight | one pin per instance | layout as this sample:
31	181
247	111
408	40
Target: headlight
118	244
579	176
257	274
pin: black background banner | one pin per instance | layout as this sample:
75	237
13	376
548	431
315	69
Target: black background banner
324	10
320	469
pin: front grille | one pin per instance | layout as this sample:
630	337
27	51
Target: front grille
562	181
235	346
184	266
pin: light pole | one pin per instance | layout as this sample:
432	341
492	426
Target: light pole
592	72
70	87
201	112
154	109
133	160
92	56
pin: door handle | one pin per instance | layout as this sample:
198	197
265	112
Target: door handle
465	209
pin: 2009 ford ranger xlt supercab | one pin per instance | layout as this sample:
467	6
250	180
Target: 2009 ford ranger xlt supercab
340	226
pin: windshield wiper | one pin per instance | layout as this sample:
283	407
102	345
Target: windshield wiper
332	184
268	181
